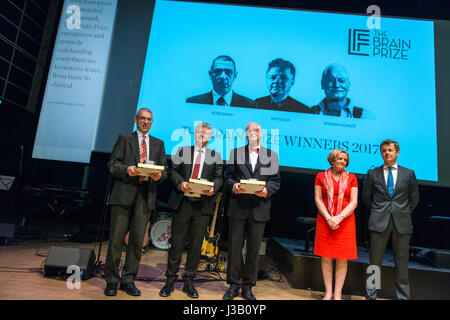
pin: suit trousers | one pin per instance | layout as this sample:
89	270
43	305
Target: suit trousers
123	219
240	271
400	246
190	222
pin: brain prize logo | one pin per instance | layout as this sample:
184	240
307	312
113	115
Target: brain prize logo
378	44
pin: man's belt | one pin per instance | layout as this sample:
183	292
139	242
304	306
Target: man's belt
191	199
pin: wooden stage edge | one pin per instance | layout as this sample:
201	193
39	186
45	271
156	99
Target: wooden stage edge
22	278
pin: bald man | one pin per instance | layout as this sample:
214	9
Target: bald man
336	85
248	213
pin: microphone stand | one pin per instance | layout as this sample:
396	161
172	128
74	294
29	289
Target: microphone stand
366	223
101	232
18	188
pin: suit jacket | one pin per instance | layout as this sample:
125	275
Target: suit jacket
267	169
125	154
382	207
236	101
181	171
288	104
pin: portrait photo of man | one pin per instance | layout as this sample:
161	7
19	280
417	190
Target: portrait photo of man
222	73
280	77
336	85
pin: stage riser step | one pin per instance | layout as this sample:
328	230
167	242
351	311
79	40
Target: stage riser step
303	271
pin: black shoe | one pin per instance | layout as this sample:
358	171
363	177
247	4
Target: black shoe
247	293
111	289
167	289
130	289
231	293
189	289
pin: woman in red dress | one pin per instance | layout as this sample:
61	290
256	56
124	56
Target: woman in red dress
336	195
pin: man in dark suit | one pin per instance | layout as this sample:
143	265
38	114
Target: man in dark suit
133	198
222	74
192	214
280	77
391	193
336	85
248	213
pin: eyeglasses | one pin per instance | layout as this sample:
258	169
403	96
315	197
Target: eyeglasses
205	133
145	118
252	130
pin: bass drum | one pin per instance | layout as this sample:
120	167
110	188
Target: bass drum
160	233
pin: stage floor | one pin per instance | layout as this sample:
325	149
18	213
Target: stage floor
21	278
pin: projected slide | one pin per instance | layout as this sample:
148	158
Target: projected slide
74	90
313	81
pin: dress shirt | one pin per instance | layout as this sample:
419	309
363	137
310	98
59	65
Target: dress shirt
202	160
394	173
253	157
347	112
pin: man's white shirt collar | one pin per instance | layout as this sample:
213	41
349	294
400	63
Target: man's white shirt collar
256	147
395	166
196	148
140	134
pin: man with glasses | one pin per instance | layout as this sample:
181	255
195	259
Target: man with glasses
222	74
192	214
280	77
248	213
132	199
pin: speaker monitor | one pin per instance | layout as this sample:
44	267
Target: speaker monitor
60	258
7	230
263	262
262	249
440	258
6	233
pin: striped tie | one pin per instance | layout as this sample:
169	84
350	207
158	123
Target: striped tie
143	150
196	170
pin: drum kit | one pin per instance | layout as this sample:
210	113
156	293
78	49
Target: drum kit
158	229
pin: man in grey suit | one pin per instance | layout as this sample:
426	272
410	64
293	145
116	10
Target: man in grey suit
391	193
192	214
133	198
222	74
248	213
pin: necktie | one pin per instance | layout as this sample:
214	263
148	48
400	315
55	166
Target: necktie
348	113
197	165
390	182
143	150
221	101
